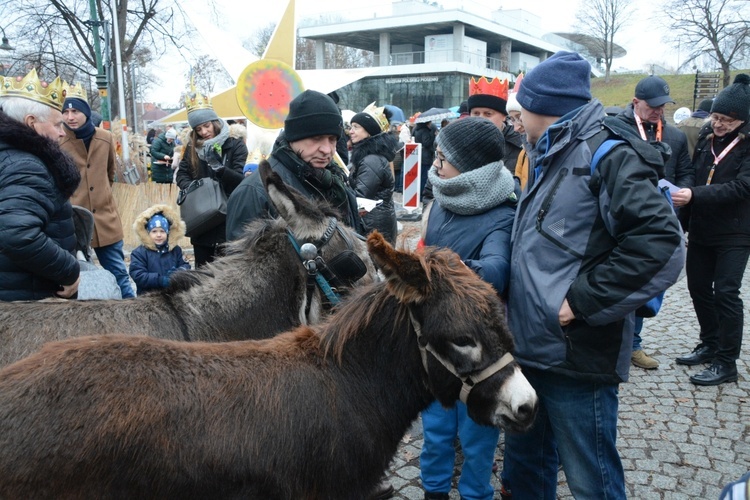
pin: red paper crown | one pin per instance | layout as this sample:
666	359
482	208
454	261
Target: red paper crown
494	87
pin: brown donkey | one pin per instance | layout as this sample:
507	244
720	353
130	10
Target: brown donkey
314	413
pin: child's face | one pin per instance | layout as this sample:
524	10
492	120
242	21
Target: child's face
158	235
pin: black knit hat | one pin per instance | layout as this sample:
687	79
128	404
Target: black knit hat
487	101
368	122
311	114
705	105
471	143
734	101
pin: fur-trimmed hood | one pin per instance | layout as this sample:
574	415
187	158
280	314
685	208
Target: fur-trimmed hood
176	225
16	135
238	131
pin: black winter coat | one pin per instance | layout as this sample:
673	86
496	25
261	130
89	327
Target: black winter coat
425	135
234	156
37	233
370	176
677	169
250	200
719	213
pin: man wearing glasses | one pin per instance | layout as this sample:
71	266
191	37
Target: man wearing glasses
645	114
718	210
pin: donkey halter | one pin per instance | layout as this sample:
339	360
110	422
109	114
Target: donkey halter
319	272
469	381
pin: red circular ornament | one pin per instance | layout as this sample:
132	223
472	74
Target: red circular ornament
264	90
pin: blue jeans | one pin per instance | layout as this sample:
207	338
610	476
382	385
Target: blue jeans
577	426
112	259
478	443
637	333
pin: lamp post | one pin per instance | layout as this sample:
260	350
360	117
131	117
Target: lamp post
5	45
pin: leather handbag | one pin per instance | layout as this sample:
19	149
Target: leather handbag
203	206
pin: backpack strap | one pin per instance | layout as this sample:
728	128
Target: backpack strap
604	148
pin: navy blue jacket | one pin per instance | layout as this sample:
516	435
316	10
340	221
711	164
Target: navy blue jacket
150	269
482	240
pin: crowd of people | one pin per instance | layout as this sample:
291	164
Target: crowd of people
512	187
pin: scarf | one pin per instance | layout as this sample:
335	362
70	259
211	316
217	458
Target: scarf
214	142
476	191
328	182
85	132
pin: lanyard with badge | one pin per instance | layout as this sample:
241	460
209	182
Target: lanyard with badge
642	131
720	157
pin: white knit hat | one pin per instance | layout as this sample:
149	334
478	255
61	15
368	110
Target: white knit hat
512	103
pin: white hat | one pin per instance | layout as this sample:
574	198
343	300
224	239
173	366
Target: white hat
512	103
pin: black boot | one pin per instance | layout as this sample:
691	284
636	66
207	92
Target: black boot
715	374
700	354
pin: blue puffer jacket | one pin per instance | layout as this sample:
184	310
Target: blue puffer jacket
37	234
151	266
606	242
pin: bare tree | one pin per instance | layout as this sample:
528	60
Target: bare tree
600	21
259	40
208	74
57	37
718	29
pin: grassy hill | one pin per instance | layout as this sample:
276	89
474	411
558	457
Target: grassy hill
619	90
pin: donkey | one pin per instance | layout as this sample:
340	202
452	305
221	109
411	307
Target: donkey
260	288
314	413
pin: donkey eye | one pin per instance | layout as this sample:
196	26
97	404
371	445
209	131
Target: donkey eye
464	342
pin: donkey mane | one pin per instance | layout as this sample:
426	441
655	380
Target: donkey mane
365	304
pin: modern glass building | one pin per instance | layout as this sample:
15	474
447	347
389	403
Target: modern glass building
425	54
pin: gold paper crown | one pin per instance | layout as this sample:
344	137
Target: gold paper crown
30	87
379	115
196	100
494	87
76	91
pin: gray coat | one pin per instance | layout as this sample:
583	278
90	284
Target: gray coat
607	242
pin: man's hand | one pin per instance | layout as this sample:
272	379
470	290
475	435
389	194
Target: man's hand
67	291
682	197
565	316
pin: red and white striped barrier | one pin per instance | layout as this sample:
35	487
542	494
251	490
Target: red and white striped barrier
411	173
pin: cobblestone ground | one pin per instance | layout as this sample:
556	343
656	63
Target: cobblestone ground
677	441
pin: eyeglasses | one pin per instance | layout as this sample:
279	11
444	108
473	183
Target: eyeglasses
724	120
513	120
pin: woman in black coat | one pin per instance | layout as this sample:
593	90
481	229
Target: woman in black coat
424	133
370	174
214	151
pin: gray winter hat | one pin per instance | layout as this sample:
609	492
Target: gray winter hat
734	100
471	143
203	115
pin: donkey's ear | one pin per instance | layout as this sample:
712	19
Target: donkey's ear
406	273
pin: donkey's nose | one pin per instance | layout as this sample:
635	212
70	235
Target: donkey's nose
526	412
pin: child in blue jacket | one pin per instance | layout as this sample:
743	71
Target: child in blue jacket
152	263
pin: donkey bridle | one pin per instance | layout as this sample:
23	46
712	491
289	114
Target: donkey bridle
319	273
468	381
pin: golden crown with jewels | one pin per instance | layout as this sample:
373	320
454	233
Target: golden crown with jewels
378	115
196	100
76	91
30	87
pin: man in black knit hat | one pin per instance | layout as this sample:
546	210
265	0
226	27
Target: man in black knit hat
303	156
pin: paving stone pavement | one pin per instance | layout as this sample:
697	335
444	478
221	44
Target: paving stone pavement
677	441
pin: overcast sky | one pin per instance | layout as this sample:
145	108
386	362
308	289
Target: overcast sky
239	20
